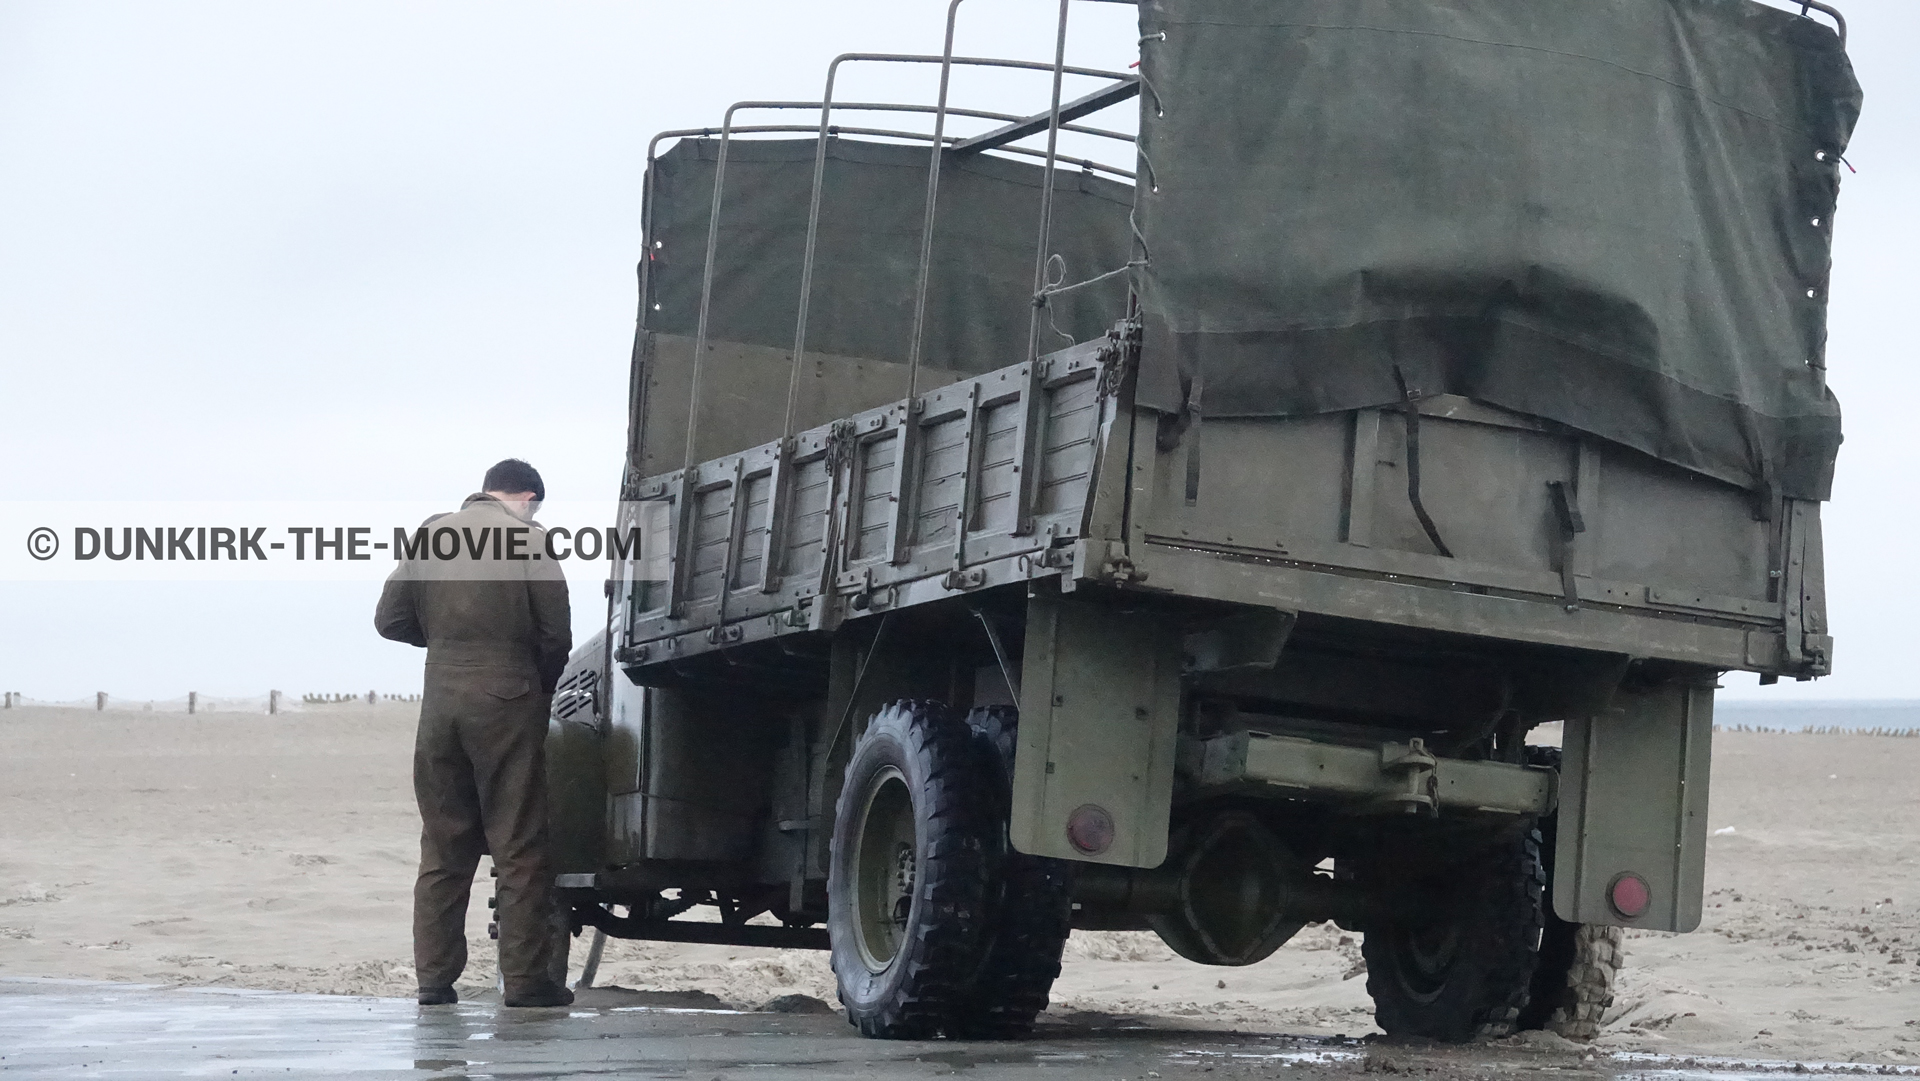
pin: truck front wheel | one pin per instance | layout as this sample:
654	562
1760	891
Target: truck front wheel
910	871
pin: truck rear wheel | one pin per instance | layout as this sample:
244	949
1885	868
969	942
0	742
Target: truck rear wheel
909	873
1032	915
1464	968
1574	985
1579	962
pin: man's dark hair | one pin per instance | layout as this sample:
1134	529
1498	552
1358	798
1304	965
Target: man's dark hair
514	475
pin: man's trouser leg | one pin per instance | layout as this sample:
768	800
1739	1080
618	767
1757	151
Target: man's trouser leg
506	737
452	837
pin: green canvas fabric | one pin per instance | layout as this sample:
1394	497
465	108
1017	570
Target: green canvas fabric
1602	213
871	212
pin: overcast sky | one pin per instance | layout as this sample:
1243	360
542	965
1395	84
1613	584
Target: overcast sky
362	250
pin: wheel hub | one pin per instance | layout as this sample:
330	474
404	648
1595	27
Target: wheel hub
885	869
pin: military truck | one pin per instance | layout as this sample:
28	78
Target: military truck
1191	536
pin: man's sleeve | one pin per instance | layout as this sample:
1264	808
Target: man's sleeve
552	621
396	616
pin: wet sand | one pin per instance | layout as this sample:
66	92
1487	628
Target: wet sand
247	851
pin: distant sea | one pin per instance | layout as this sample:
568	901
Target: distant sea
1899	714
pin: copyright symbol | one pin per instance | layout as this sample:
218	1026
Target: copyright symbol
43	543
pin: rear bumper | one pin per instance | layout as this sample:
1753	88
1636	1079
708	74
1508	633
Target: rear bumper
1392	778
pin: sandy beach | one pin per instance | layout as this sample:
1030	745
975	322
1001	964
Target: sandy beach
277	852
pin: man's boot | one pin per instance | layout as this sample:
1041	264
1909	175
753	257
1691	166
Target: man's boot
538	994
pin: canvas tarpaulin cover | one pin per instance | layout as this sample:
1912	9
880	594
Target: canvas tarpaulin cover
1612	214
872	209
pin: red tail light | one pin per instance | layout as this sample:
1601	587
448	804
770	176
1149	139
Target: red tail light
1090	829
1629	895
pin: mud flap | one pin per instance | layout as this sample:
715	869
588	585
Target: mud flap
576	795
1633	802
1099	712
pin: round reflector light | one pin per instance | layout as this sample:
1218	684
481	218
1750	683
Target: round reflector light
1090	829
1629	895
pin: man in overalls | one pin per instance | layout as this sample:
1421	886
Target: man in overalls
494	620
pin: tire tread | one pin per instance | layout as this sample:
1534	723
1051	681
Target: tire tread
1032	919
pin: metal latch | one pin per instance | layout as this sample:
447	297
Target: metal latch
971	578
854	581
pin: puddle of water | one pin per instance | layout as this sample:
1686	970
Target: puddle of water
297	1066
671	1009
1291	1058
143	1032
